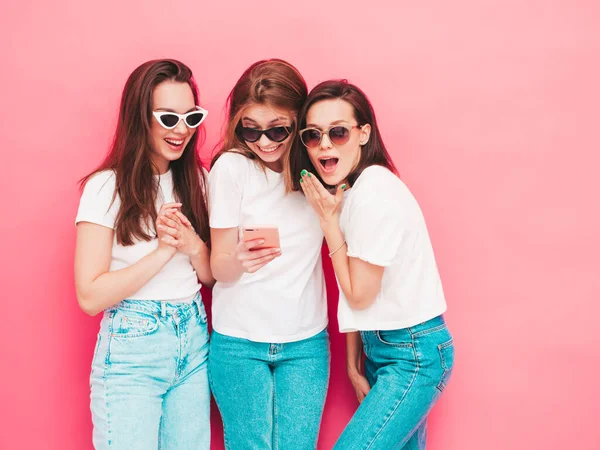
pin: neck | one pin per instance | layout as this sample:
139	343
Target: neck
160	167
275	166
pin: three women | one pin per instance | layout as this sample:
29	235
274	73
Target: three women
269	351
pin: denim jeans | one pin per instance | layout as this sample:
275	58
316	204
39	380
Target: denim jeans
149	382
271	396
408	370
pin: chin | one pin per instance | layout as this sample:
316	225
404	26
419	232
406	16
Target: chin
331	179
271	158
171	158
171	155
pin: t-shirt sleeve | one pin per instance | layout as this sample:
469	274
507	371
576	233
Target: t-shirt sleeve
96	204
225	188
376	229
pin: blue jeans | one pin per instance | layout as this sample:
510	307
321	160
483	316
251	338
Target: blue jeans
408	370
271	396
149	382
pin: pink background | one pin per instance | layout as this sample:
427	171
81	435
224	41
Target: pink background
490	109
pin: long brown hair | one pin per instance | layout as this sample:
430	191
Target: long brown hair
372	153
129	158
269	82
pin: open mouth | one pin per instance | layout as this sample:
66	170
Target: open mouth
175	144
329	164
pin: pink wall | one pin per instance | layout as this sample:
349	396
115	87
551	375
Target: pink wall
490	109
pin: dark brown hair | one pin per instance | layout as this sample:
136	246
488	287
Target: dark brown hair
269	82
129	158
372	153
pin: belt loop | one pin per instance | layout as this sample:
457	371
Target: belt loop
163	309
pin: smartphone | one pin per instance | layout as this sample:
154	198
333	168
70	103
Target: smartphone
270	233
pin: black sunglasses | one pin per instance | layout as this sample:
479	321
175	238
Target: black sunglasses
275	134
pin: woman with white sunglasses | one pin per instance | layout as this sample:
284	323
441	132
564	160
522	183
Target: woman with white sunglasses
140	260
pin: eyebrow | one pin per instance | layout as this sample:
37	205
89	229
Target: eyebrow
337	122
173	111
278	119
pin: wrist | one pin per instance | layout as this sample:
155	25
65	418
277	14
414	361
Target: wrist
330	224
199	250
353	370
167	251
198	254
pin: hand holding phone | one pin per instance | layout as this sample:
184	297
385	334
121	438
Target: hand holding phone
269	234
258	246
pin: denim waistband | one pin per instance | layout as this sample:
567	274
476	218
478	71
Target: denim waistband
159	307
423	328
427	326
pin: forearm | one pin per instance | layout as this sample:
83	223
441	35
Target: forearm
359	280
354	352
225	267
201	264
110	288
341	264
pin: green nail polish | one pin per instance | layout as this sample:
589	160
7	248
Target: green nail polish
301	180
309	175
303	173
343	187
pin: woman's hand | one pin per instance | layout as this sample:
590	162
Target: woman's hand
178	232
326	205
252	260
360	384
165	241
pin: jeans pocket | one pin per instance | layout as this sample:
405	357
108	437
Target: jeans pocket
130	323
98	341
446	351
394	338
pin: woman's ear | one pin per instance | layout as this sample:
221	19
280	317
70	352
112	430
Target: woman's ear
365	133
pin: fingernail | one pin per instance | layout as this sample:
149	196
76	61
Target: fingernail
343	187
301	180
303	173
309	175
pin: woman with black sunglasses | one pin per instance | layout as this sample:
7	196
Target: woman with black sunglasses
138	259
269	353
391	297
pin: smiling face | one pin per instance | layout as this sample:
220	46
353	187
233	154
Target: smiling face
168	145
263	117
334	162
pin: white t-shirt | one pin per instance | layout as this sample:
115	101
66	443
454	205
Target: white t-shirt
284	301
177	280
383	225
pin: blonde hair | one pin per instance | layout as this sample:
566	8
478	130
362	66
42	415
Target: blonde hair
272	82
